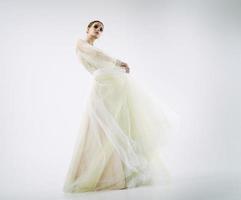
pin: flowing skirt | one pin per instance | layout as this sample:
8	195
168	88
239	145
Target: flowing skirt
122	132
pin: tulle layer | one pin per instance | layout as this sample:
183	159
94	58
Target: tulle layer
121	136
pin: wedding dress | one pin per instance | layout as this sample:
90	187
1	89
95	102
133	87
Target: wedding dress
122	130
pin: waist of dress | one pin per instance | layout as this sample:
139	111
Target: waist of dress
108	70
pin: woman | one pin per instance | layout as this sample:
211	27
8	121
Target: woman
122	130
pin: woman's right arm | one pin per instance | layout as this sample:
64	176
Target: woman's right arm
97	56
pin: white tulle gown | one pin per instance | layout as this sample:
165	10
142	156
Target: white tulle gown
122	131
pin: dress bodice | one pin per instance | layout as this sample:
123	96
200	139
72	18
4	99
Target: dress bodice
94	58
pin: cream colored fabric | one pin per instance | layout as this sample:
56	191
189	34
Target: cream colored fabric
122	131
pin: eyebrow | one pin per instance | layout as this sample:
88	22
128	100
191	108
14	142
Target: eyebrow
99	24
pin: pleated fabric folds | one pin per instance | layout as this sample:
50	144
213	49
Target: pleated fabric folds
121	136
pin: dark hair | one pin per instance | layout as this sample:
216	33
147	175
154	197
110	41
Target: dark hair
92	22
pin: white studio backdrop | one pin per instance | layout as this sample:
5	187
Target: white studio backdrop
186	52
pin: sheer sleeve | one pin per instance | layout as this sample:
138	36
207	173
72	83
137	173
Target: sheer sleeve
95	55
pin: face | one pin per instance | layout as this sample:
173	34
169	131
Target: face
95	30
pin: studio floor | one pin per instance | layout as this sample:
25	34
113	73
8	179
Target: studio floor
220	187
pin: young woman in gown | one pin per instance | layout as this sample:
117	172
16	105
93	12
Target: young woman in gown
122	130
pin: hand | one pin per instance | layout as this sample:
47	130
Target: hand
125	65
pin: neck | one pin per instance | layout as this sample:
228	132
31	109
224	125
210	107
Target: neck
90	40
